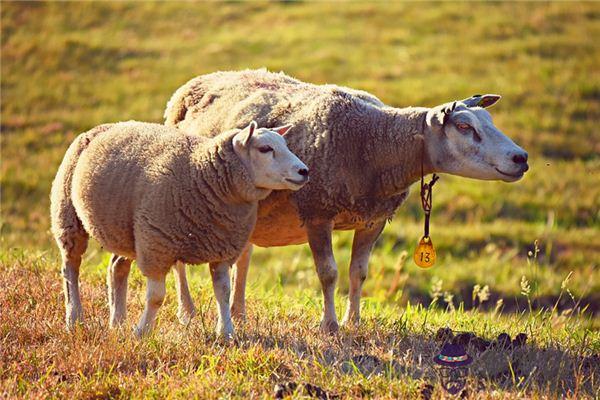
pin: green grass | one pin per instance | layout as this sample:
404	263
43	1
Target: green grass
67	67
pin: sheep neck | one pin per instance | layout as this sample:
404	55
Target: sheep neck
403	150
221	170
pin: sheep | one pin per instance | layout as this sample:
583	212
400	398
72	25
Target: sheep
148	192
363	158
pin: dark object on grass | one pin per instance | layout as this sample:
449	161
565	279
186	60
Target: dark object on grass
591	362
480	345
283	390
503	341
453	355
426	391
444	335
452	367
520	340
317	392
463	339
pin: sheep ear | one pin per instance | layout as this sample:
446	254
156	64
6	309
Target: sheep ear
247	136
485	101
282	130
436	117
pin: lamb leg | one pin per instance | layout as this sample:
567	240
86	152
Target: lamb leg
220	278
238	297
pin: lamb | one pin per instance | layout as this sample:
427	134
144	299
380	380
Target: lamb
363	158
148	192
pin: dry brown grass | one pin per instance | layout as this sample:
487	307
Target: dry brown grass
387	357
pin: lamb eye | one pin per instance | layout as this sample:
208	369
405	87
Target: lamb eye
265	149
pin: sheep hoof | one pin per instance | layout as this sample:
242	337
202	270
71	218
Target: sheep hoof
239	315
73	319
351	322
137	333
226	336
140	333
185	316
330	327
115	324
117	321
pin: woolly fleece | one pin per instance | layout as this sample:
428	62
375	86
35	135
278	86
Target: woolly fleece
147	190
363	156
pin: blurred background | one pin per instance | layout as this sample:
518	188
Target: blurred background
67	67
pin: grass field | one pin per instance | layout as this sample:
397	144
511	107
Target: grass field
535	244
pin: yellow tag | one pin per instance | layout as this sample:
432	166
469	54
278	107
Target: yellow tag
425	253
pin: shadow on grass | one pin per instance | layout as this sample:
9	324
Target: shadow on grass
524	369
463	294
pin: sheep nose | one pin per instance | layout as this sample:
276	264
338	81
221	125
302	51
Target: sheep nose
520	158
303	172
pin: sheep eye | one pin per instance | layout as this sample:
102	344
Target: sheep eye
463	127
265	149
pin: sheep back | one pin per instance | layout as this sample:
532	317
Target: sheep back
337	133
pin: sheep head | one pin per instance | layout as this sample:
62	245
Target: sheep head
461	139
269	161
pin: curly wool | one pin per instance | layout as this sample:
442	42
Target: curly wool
147	190
363	156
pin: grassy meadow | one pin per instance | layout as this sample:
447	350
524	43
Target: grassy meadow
521	257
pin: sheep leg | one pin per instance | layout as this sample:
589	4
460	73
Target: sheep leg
116	278
185	308
72	246
362	245
319	240
238	297
155	295
70	273
220	277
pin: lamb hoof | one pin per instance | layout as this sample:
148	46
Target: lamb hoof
330	327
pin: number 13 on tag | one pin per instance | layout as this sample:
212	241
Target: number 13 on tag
424	255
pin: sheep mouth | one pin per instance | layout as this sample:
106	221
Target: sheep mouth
514	176
298	182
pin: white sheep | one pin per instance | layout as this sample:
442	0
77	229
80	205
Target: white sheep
363	158
150	193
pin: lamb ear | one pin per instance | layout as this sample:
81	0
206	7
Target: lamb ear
247	136
282	130
485	101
